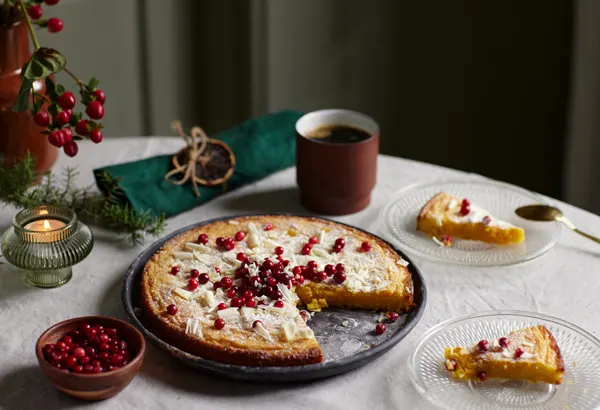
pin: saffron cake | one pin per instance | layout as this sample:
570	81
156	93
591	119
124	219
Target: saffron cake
445	216
529	354
228	291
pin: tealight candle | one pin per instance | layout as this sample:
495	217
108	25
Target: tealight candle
45	228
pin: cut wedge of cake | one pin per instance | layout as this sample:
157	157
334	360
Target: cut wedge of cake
445	216
529	354
228	290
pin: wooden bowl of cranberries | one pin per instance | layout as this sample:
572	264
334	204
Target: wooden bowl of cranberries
91	358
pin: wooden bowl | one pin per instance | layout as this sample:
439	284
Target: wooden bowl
87	386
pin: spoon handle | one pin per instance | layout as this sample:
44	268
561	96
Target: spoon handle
587	235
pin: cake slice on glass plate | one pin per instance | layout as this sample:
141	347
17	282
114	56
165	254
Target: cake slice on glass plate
529	354
445	216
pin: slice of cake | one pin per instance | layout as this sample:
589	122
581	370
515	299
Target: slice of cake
526	354
445	216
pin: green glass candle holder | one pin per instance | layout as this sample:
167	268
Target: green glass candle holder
46	241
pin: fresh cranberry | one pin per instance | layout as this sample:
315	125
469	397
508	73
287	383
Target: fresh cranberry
67	134
77	369
340	242
299	279
97	369
71	362
268	226
203	278
313	240
250	302
172	309
97	362
340	267
48	349
337	248
87	368
67	100
322	276
96	136
100	96
271	281
255	323
392	316
256	281
278	304
237	302
339	277
380	328
241	256
267	264
112	332
297	270
518	353
105	347
226	282
203	238
104	338
194	273
503	342
482	376
219	324
116	360
486	220
67	339
221	306
95	110
239	236
279	250
51	2
248	293
56	138
90	351
329	269
61	346
216	285
41	119
365	246
231	293
483	346
35	12
465	207
103	356
312	265
84	360
56	25
193	284
228	244
175	270
306	249
276	294
82	128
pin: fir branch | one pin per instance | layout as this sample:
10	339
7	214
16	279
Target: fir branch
110	211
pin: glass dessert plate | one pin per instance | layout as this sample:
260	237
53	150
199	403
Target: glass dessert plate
580	351
499	199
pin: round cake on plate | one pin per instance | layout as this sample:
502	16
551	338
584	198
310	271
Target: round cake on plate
228	291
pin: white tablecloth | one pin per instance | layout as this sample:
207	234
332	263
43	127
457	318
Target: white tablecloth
564	283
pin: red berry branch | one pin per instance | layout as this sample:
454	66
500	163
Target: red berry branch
55	110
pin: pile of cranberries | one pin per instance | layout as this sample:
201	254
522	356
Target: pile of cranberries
89	349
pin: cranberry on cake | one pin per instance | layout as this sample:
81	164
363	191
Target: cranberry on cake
445	216
228	291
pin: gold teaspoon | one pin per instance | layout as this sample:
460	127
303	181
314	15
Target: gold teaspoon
549	213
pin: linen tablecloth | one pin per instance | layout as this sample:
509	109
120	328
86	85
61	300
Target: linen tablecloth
563	283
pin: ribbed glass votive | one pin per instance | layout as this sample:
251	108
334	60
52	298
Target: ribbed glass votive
47	241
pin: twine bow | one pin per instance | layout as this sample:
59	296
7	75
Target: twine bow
194	153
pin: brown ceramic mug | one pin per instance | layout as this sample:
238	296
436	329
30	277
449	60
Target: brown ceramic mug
336	178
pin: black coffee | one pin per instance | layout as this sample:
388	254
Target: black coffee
338	134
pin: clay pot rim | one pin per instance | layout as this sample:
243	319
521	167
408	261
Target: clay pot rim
219	181
129	367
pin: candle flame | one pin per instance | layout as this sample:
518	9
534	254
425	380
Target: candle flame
43	212
46	225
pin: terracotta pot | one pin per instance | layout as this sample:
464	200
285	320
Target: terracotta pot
334	178
18	133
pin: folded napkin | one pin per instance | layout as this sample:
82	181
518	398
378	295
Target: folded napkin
261	147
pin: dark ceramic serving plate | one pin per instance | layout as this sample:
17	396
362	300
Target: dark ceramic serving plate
346	336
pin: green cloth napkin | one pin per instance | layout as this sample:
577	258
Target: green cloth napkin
261	146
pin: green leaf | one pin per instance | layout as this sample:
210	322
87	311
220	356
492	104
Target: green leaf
51	89
93	84
53	109
22	103
60	89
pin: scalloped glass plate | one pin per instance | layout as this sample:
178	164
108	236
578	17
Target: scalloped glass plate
580	351
499	199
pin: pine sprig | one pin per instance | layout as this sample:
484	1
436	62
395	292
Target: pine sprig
17	188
